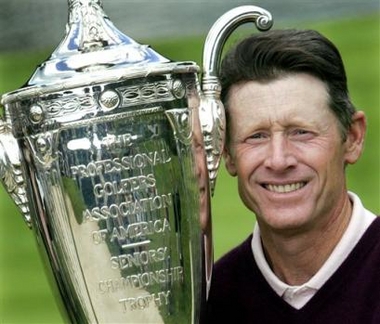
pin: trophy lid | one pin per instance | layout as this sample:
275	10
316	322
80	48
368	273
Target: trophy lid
93	51
92	43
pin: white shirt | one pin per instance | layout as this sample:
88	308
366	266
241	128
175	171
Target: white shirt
298	296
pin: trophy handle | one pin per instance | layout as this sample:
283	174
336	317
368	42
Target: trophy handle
211	114
11	174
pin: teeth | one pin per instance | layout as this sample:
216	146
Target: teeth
285	188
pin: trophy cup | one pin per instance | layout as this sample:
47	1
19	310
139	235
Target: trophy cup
111	152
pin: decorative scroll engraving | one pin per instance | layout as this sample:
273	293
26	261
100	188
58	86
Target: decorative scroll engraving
145	93
73	107
66	105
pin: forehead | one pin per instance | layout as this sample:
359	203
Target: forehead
298	96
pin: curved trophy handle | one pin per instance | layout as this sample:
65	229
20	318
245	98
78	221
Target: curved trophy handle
11	174
212	117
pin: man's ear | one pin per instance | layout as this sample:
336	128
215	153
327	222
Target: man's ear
229	162
355	137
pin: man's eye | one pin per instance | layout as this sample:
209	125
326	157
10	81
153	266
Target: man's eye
303	133
257	136
300	132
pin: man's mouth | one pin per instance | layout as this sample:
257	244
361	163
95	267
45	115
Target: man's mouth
284	188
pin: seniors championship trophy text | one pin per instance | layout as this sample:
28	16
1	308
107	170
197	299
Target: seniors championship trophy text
110	152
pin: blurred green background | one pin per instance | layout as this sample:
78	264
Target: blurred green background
25	296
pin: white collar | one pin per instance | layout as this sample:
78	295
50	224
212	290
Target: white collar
298	296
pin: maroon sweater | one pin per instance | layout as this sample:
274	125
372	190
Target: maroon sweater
239	293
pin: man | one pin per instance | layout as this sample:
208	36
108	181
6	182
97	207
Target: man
314	256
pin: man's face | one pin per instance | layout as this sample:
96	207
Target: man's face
287	151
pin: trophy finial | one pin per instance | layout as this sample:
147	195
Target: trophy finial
92	32
90	26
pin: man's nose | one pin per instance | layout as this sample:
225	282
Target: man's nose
280	153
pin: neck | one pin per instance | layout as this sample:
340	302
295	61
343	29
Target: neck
295	258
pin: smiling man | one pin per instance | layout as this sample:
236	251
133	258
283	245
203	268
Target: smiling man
314	255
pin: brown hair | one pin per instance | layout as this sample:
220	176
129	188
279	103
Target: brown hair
266	56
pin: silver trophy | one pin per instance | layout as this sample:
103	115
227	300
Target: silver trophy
111	153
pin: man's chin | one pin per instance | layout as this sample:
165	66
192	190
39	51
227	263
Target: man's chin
284	220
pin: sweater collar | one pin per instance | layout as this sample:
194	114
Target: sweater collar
298	296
